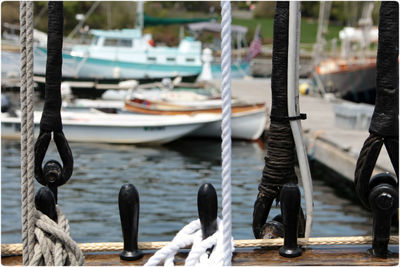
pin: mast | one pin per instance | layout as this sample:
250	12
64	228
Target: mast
323	19
139	15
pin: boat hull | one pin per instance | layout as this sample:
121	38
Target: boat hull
89	67
244	125
352	82
110	130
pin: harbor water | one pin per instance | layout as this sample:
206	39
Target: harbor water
167	178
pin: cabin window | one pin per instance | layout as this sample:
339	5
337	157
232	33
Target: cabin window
111	42
189	59
118	42
95	40
125	43
170	59
151	58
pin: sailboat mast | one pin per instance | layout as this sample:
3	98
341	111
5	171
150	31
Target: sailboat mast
139	15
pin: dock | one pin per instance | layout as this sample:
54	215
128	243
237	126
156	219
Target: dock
331	145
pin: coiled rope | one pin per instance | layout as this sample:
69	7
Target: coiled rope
221	254
16	249
191	235
27	127
54	245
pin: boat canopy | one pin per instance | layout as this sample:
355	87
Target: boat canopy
119	34
215	27
153	21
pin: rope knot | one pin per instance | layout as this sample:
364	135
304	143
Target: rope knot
53	244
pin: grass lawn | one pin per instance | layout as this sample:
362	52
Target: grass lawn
308	29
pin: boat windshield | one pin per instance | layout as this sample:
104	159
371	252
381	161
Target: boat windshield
95	40
116	42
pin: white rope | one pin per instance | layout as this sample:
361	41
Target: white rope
27	137
226	130
53	244
191	234
293	110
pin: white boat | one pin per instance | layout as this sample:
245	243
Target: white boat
127	54
98	127
247	121
247	125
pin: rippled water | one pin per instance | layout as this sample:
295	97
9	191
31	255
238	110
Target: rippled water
167	178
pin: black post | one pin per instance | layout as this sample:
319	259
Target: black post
290	206
384	200
128	201
207	205
45	202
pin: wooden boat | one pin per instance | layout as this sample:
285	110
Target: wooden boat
248	120
165	108
97	126
352	75
248	124
183	98
350	79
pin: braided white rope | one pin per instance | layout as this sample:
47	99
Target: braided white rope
226	130
53	244
27	134
24	188
192	234
30	123
24	206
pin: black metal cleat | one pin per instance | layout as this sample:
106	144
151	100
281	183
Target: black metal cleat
290	207
207	205
383	199
45	202
128	201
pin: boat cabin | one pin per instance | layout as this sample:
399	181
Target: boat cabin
130	45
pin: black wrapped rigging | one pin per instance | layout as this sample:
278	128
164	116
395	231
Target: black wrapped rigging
280	152
384	127
50	122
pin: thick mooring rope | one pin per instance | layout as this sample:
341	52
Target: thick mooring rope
226	130
191	235
27	128
16	249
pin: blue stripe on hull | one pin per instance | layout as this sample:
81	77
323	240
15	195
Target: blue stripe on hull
93	67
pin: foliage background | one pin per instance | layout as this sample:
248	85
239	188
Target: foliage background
122	14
